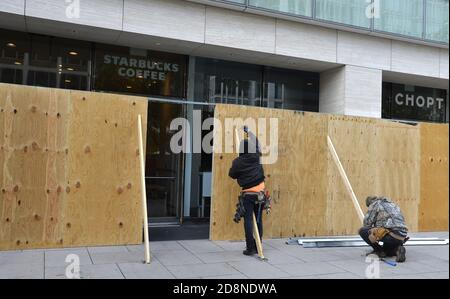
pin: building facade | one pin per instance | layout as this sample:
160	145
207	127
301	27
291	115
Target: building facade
374	58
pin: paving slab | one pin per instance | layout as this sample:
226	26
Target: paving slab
117	257
310	269
202	270
221	257
21	257
258	269
200	246
176	257
22	271
277	257
165	245
231	276
104	271
57	258
154	270
231	245
107	249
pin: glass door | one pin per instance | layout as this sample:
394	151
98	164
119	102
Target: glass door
164	175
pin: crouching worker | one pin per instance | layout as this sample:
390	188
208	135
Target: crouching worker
249	173
385	223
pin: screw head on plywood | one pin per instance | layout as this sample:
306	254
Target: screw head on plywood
119	190
34	146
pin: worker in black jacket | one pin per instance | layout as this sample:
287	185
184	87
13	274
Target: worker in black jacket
249	173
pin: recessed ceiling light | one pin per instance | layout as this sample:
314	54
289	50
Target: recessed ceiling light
128	86
73	53
12	45
70	69
18	63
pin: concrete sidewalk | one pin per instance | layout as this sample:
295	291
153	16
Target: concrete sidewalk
222	260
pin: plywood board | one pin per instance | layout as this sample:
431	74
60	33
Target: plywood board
434	179
104	196
34	124
398	173
380	157
68	168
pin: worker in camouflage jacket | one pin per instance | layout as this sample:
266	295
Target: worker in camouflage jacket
384	222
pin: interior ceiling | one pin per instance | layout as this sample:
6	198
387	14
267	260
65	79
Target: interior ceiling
409	79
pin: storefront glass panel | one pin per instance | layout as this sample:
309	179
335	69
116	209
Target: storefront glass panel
219	81
415	103
123	69
46	61
289	89
163	175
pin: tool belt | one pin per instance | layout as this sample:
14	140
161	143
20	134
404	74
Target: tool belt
263	199
376	234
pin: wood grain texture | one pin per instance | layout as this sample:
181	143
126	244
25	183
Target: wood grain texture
434	180
69	171
380	157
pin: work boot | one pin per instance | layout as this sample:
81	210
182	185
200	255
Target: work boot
250	251
401	254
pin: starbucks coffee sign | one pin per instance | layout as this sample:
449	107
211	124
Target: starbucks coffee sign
141	68
139	71
414	103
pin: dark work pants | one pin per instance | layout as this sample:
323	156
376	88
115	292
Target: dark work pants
390	244
251	208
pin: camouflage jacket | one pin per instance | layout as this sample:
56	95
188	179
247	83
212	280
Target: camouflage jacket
383	212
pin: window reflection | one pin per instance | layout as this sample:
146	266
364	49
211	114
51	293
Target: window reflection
44	61
218	81
414	103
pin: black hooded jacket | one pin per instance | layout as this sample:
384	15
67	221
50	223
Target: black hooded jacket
247	168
